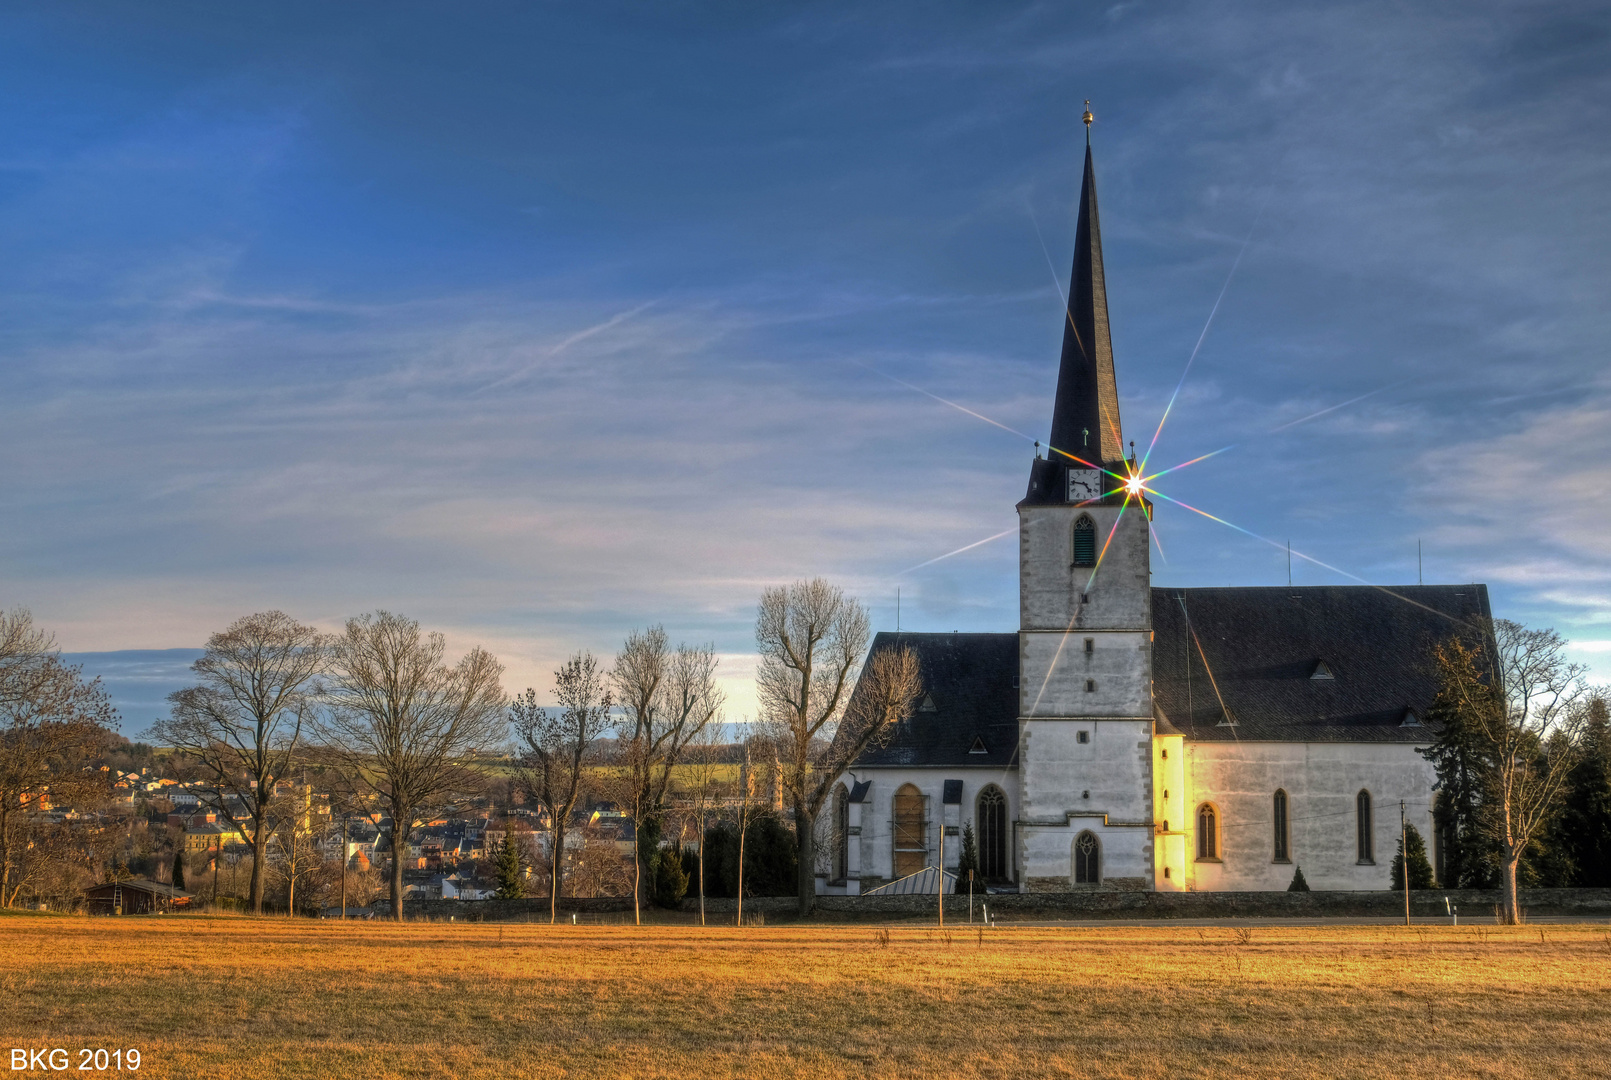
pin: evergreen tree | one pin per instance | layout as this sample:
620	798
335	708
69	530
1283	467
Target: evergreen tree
1298	884
1579	844
1420	868
968	862
510	883
769	858
670	880
1462	756
179	868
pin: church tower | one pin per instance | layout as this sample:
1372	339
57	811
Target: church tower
1085	617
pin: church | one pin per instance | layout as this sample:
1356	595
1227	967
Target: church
1136	738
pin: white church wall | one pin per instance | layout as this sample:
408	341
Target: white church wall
1322	781
1171	804
1059	677
1103	784
874	858
1119	592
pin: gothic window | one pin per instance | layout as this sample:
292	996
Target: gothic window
1084	541
992	817
1362	822
841	833
1207	833
1087	860
1282	835
911	832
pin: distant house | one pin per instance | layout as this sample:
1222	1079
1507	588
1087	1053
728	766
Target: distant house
209	837
139	896
457	887
191	819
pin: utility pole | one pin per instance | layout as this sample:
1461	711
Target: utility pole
1404	860
344	864
939	871
218	853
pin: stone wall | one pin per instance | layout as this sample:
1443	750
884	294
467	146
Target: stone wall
1473	903
1194	905
529	909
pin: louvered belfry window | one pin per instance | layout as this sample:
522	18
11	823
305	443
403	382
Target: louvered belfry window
1084	542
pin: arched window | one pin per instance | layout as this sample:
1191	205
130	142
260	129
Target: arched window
1362	816
1085	541
841	833
1282	835
992	817
911	832
1207	833
1087	860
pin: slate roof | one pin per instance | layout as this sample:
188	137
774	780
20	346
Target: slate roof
1085	411
1264	645
968	681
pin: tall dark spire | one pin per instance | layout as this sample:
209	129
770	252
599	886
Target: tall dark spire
1085	418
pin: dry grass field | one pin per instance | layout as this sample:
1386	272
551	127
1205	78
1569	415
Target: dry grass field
237	998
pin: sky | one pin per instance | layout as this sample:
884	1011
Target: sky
539	323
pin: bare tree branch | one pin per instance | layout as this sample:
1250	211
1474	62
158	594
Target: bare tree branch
404	722
242	724
556	747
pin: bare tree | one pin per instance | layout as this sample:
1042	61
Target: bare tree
241	725
52	725
704	773
668	698
556	745
300	834
1522	697
405	723
811	638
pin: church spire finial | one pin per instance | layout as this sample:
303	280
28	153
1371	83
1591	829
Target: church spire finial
1088	118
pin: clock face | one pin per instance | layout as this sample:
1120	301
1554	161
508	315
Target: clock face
1084	485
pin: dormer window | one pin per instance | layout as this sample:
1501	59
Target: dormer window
1085	541
1322	671
978	746
928	704
1410	719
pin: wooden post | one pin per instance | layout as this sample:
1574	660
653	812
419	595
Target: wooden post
343	866
1404	860
939	887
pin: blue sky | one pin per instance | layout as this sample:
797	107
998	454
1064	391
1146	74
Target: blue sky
543	322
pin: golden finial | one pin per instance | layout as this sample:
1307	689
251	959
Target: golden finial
1088	116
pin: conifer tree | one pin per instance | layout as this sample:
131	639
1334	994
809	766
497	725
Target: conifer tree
510	886
1581	838
670	878
1298	884
1420	868
179	868
968	862
1463	759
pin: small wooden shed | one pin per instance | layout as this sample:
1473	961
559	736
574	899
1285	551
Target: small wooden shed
137	896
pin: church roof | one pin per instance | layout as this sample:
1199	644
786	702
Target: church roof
1085	414
1309	664
1346	663
968	714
